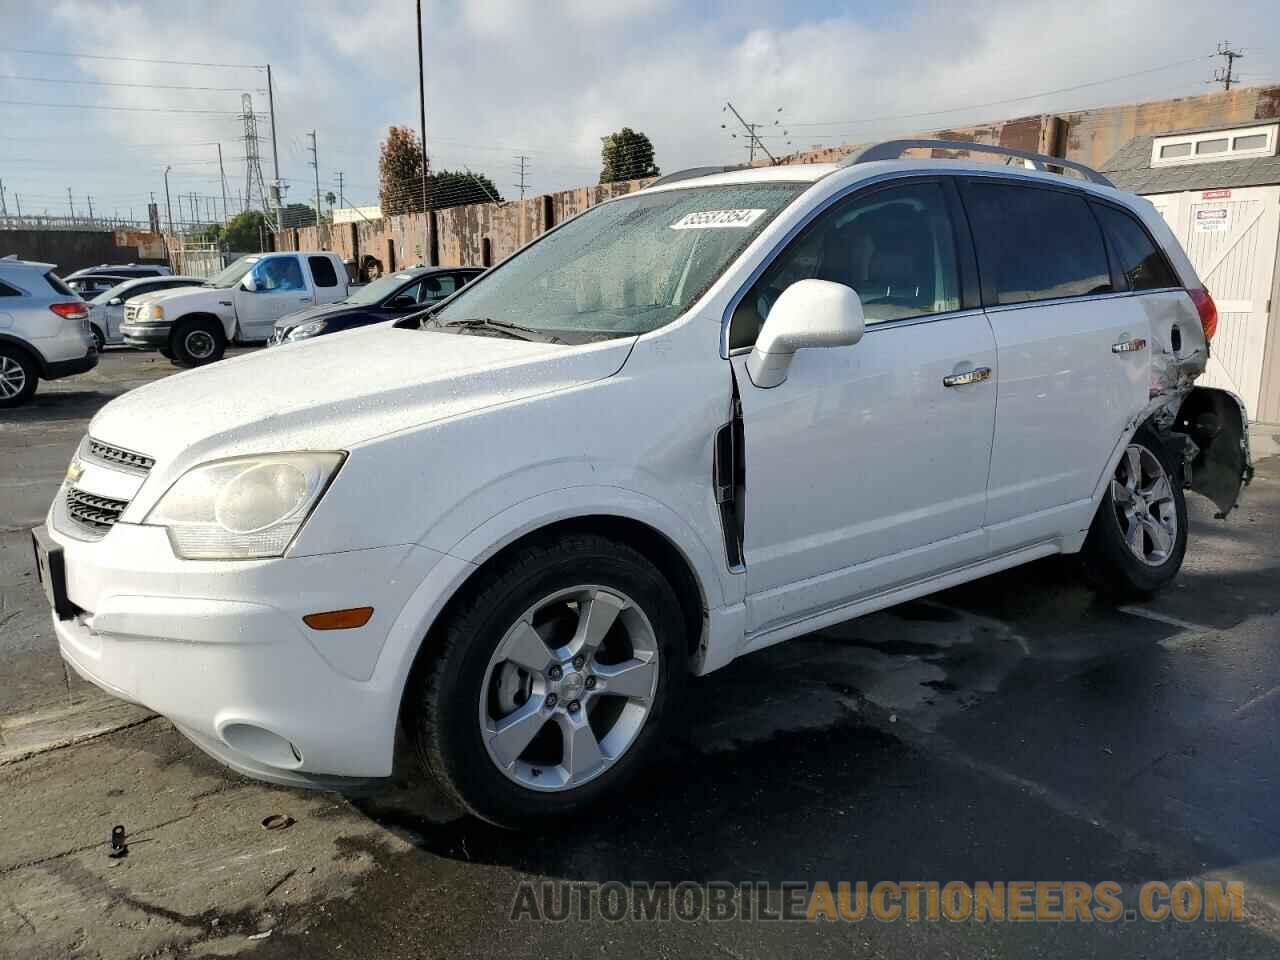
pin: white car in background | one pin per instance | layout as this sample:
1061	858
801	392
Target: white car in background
106	310
683	426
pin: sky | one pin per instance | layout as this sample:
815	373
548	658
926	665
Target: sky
547	80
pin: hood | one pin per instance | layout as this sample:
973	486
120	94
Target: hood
291	320
334	392
155	296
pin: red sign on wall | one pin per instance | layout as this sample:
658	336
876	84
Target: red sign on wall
1215	195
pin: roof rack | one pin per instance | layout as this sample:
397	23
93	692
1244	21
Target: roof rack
893	149
692	172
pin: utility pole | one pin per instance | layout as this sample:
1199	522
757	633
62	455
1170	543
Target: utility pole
222	177
315	164
1225	75
523	168
422	104
180	218
4	208
755	140
17	200
90	199
167	205
275	152
342	202
71	203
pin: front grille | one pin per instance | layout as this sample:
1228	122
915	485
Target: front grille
97	513
118	456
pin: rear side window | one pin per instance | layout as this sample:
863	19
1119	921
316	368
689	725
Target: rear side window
1035	244
8	291
59	287
322	270
1143	265
437	287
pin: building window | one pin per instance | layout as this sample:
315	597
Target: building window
1215	145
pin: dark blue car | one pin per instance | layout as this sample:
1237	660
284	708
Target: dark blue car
386	298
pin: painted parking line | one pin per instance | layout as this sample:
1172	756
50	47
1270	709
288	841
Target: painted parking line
1158	617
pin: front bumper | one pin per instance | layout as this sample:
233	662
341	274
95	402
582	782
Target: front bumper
219	648
147	335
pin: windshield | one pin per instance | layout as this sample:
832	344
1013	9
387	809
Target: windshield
232	274
625	267
378	290
110	292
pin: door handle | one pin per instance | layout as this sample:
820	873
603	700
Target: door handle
976	375
304	299
1129	346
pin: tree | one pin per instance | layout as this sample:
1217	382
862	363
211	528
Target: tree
330	198
244	232
626	155
452	188
400	172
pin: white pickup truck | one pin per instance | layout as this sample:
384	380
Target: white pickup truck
192	326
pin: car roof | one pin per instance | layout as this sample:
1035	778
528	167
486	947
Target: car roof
166	278
13	261
784	173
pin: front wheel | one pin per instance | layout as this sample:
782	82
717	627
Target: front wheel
197	342
1139	534
553	682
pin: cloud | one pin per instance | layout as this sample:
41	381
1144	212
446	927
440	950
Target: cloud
550	79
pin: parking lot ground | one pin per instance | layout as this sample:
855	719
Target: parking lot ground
1012	729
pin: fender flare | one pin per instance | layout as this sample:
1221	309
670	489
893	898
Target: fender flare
36	356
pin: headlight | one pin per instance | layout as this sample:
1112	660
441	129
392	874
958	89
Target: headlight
308	329
245	508
157	312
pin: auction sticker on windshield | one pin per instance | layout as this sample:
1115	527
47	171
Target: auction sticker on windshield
717	220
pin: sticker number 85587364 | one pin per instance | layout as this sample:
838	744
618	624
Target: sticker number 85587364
717	220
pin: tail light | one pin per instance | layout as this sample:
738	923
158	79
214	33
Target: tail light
1208	311
71	311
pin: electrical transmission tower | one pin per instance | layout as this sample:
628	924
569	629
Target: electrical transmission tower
521	170
1226	75
253	179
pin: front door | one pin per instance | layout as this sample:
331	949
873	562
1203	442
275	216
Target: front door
865	470
281	289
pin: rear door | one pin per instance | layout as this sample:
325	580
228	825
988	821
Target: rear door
329	287
1073	349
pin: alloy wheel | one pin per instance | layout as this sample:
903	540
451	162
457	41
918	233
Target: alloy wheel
13	378
569	688
1143	497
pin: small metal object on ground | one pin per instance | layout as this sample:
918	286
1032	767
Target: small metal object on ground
278	821
118	847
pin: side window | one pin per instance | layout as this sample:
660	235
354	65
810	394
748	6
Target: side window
1143	264
8	291
279	274
1036	244
323	272
437	287
895	247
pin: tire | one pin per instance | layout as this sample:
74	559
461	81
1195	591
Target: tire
18	376
194	343
1138	537
468	688
99	340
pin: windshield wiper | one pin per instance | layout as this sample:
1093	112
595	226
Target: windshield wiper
513	330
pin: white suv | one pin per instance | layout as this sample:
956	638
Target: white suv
683	426
44	330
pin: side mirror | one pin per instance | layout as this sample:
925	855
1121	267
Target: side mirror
115	302
810	313
249	283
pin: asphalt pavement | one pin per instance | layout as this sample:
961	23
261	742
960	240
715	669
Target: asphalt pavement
1016	728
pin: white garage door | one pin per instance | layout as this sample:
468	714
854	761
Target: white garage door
1230	236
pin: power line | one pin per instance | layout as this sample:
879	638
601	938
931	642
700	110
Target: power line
96	56
996	103
120	83
96	106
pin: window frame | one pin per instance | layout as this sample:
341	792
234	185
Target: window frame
1117	268
1271	131
962	237
990	296
12	290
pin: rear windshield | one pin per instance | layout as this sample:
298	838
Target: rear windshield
59	287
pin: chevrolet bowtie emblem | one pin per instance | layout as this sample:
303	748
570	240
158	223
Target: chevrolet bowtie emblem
74	472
